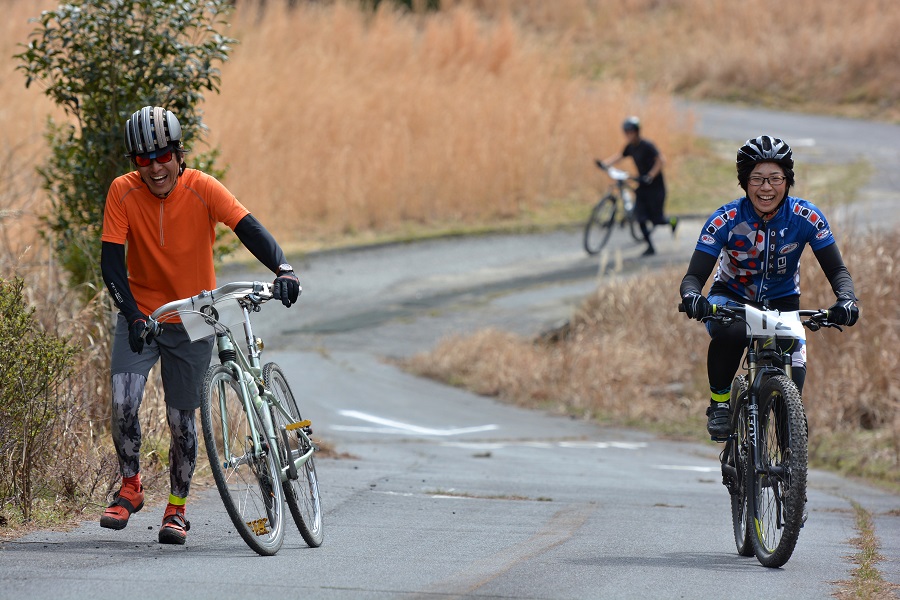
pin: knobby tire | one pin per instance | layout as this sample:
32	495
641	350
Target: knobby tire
737	455
777	487
250	486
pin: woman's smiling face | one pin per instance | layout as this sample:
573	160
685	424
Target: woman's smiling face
766	196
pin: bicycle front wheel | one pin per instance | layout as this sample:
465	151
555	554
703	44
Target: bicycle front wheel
248	478
737	456
600	224
302	493
777	487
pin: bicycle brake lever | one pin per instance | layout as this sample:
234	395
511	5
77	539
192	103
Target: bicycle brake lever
150	327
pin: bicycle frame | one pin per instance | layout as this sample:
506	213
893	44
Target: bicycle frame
245	367
764	360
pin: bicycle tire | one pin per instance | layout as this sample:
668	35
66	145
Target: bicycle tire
739	457
778	486
633	228
600	224
301	494
250	487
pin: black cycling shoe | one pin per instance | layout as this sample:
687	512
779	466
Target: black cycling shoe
717	425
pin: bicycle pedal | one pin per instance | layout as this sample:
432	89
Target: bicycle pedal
304	424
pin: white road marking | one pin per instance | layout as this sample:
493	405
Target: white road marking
397	427
581	445
688	468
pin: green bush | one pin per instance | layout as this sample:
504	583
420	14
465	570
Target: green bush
101	60
34	368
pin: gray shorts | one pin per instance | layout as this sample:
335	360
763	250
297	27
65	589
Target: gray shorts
183	367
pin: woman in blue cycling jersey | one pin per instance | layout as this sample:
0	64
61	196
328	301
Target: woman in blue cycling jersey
757	241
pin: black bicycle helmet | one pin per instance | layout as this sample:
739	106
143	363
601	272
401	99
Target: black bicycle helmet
631	124
764	148
152	129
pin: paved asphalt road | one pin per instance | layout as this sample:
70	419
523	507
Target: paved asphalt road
450	495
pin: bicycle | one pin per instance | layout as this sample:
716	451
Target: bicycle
604	214
259	446
764	461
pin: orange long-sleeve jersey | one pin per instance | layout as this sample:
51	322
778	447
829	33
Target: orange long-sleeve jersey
169	240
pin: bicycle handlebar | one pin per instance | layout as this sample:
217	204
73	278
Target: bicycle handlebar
722	313
255	292
614	173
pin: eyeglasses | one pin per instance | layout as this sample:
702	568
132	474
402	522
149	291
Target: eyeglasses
142	160
773	180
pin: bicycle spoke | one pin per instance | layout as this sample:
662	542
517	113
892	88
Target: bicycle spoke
248	480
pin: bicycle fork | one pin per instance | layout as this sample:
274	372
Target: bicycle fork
252	403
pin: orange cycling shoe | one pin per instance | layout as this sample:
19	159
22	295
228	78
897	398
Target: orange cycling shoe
129	499
174	526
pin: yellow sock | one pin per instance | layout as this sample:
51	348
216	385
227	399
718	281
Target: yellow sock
176	500
721	397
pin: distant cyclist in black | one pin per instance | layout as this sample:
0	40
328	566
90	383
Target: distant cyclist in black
651	191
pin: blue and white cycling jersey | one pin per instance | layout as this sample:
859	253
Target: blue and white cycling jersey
759	259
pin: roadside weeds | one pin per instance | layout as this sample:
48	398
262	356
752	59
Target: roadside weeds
866	580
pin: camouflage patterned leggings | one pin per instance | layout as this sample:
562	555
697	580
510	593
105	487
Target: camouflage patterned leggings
127	393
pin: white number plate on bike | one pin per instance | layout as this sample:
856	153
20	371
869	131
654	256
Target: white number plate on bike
226	312
768	323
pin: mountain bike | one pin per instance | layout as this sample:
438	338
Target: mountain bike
764	461
616	206
259	445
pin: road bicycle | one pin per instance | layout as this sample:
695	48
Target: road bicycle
259	446
764	461
616	206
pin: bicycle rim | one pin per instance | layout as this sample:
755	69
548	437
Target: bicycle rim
740	515
301	494
599	226
249	483
779	483
633	228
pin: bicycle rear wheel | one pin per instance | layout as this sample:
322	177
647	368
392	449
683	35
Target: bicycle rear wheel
302	493
633	228
737	456
248	479
600	224
777	487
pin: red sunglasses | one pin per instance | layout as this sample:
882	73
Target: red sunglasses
142	160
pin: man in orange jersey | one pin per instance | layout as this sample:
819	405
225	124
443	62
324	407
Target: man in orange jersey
166	214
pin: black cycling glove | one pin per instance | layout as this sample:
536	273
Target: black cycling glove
286	288
696	306
844	312
135	330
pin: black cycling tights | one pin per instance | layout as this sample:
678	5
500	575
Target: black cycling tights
127	393
726	349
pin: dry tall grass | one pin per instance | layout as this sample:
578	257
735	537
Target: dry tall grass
363	122
825	54
629	361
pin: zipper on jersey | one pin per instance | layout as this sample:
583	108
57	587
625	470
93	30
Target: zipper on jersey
764	258
162	211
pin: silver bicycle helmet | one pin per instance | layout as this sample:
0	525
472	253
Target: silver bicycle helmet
765	149
631	124
152	129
